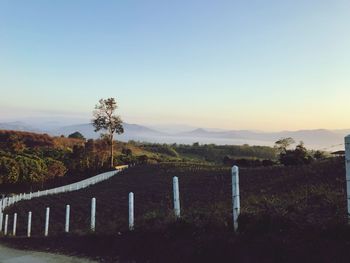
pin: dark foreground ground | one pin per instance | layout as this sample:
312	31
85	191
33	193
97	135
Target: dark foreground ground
289	214
183	243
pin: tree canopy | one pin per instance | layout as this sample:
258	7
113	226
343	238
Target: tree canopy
105	118
76	135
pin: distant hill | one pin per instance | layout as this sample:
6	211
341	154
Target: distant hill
17	126
312	138
316	139
131	132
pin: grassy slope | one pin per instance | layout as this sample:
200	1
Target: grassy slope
287	215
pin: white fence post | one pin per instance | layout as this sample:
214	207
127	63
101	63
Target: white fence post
1	219
176	197
131	211
29	226
66	229
235	196
47	221
93	214
14	224
347	163
6	224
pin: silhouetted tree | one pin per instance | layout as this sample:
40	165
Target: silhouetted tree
282	144
299	156
76	135
320	155
106	119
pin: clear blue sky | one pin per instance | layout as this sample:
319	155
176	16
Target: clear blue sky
267	65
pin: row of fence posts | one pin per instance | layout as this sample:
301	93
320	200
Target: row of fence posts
176	196
177	210
8	201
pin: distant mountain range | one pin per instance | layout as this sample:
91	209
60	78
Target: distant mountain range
314	139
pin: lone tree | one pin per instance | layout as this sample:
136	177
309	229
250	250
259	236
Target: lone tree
106	119
282	144
76	135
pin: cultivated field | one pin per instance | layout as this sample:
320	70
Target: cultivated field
287	213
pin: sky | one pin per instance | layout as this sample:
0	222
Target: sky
252	64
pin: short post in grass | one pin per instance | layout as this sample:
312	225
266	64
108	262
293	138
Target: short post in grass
47	221
14	224
1	219
347	162
235	196
66	228
131	211
29	226
176	192
6	224
93	214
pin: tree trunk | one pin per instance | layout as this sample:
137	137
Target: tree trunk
112	164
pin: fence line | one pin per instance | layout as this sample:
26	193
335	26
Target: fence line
131	205
8	201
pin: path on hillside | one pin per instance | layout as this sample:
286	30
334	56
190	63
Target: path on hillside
10	255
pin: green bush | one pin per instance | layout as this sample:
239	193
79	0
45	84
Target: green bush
9	170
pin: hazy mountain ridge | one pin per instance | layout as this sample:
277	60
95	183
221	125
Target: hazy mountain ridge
316	139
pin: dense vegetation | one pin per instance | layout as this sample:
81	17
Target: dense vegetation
288	214
29	161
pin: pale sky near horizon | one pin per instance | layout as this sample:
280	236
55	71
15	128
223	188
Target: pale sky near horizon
267	65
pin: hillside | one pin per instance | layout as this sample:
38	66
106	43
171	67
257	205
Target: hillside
315	139
294	210
31	161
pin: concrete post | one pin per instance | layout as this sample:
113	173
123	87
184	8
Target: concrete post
66	228
1	220
6	224
29	226
235	197
93	214
47	221
131	211
14	230
176	197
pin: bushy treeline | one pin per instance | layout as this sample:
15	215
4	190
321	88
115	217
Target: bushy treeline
217	153
29	158
298	156
10	139
248	162
29	168
229	155
36	158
